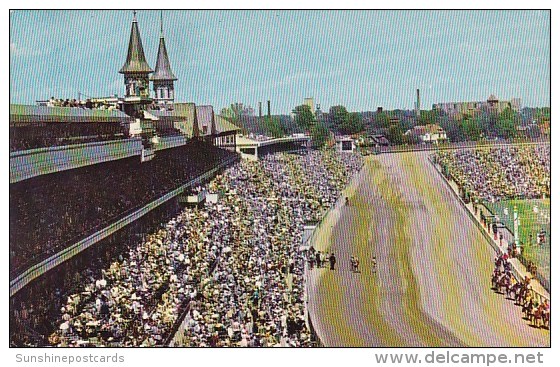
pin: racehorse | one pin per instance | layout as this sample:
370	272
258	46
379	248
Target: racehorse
539	316
517	292
545	316
505	283
496	278
528	307
502	262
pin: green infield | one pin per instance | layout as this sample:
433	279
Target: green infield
534	217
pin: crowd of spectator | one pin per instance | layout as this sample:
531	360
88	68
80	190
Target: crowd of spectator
34	310
500	173
88	103
165	128
234	265
49	134
50	212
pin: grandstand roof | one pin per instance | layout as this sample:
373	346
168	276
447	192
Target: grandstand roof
30	113
135	59
184	113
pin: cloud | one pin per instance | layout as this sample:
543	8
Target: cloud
19	51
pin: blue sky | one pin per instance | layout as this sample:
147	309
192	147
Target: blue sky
360	59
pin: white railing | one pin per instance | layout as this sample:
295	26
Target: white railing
517	273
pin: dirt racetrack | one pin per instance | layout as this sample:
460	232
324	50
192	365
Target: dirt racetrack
432	284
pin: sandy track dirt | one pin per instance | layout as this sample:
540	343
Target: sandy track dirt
432	284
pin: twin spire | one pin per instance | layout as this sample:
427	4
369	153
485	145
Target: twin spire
163	66
135	59
136	63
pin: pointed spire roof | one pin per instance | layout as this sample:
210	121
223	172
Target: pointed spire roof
135	59
163	66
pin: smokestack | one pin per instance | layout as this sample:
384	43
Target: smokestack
268	103
260	111
417	102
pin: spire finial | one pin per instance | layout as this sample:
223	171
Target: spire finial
134	12
161	21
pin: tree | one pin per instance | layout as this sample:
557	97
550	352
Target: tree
381	120
304	117
471	129
428	117
353	124
273	127
504	124
505	128
395	135
319	135
338	116
543	113
453	130
232	113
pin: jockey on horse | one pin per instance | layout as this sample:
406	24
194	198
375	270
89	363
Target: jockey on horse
504	281
545	313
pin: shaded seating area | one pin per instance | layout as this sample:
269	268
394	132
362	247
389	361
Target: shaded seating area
34	127
165	128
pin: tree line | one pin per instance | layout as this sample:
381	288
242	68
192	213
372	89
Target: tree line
393	124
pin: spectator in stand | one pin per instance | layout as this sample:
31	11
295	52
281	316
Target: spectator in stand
503	173
43	228
235	264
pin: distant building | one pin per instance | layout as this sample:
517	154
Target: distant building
241	109
345	144
380	139
247	111
430	133
198	121
491	105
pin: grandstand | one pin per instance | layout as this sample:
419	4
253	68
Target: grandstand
110	189
50	213
34	127
181	119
